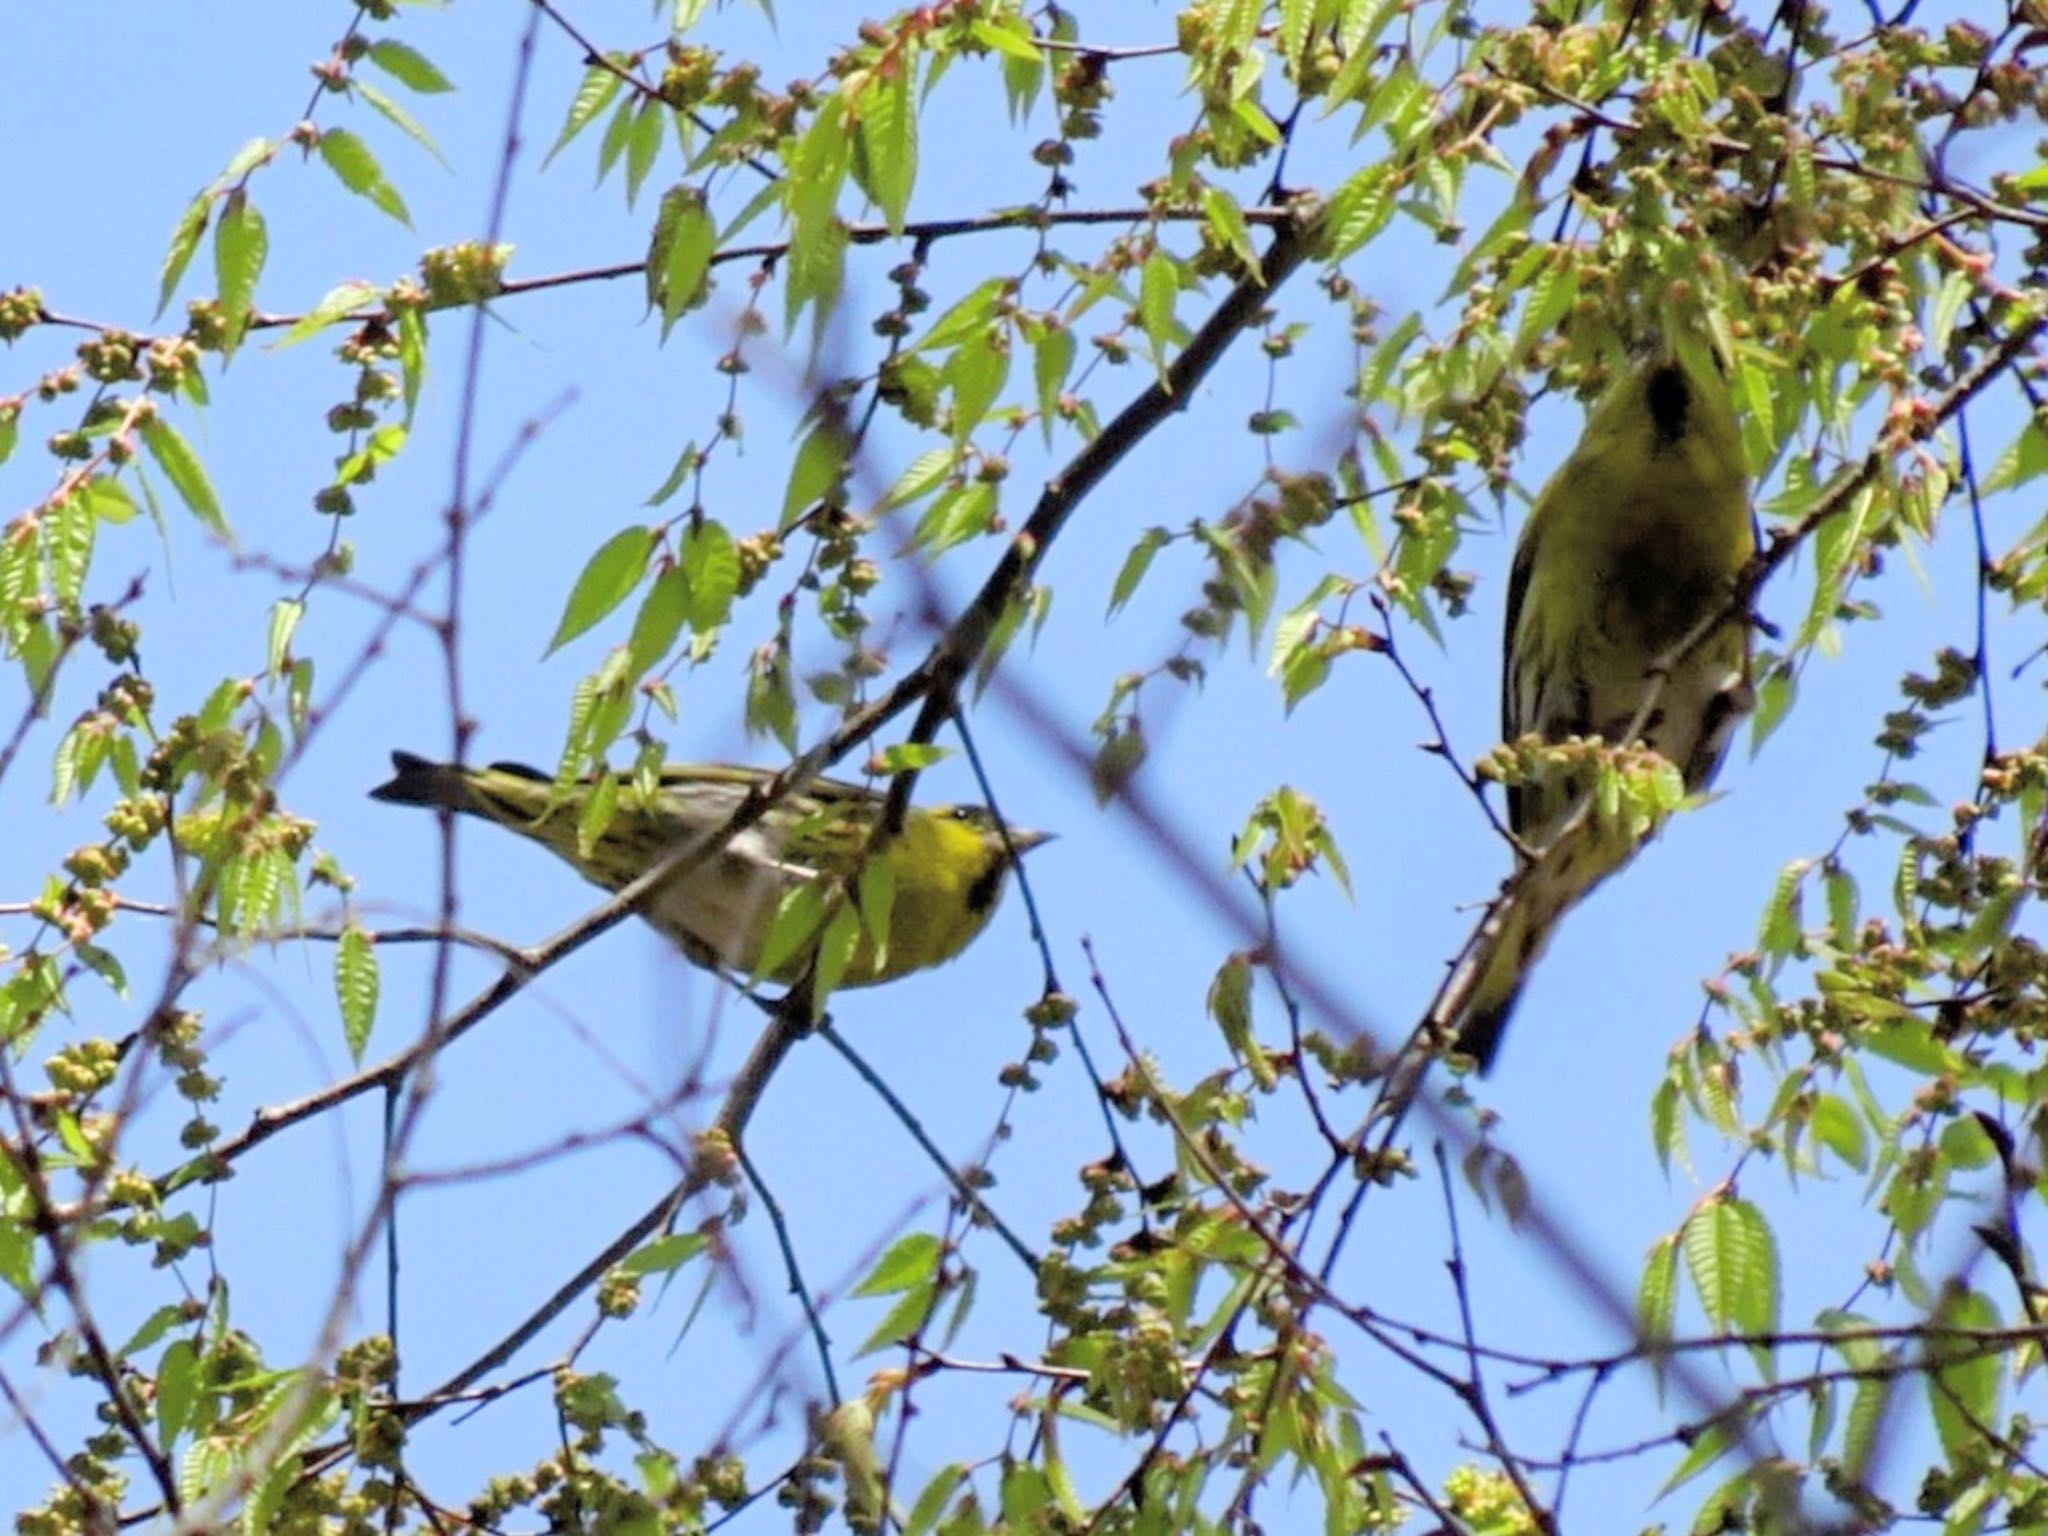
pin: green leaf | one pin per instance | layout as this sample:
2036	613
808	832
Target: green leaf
355	987
686	465
931	1503
963	513
1964	1393
599	86
68	541
816	474
1838	1128
177	1390
594	817
835	952
665	1255
711	567
1657	1292
1051	361
2023	460
1158	287
380	447
352	162
797	917
1756	1302
343	299
184	242
972	313
660	620
1717	1256
911	1261
241	245
607	580
285	614
977	372
412	356
1358	211
926	471
397	116
181	466
888	141
643	144
408	66
1711	1445
771	701
679	256
875	900
1226	220
1779	934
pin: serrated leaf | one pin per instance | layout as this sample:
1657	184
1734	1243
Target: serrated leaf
600	85
888	141
1779	933
912	1260
963	513
355	987
711	567
926	471
1052	359
285	614
412	356
836	948
660	620
357	169
184	242
1756	1303
1358	211
1841	1131
177	1389
241	246
797	918
679	255
2024	459
181	466
397	116
1135	565
594	816
643	144
816	472
976	373
875	901
341	300
68	535
1158	288
1657	1292
931	1503
408	66
1964	1393
665	1255
607	580
1716	1257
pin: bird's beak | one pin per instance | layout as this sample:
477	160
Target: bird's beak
1023	839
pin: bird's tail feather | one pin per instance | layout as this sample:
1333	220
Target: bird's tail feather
1481	996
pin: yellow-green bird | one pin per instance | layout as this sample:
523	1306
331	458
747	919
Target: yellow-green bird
946	866
1634	544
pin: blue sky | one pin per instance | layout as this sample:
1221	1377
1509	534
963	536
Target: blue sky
96	194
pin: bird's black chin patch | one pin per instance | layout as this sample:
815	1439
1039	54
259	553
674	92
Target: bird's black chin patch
987	886
1669	398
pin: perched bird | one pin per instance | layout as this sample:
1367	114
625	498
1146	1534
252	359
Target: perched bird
1634	544
945	868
